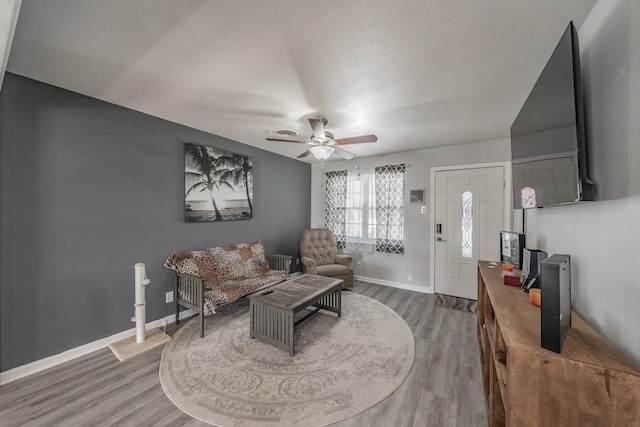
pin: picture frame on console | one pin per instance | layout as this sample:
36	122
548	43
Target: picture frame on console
512	248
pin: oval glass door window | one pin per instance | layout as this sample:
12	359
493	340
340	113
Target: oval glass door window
467	225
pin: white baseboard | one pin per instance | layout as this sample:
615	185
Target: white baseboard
48	362
406	286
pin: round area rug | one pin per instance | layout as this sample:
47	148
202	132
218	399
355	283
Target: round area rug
342	366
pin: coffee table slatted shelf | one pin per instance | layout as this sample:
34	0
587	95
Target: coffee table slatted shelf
272	312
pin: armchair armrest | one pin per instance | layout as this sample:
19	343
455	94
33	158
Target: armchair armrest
279	262
344	260
309	265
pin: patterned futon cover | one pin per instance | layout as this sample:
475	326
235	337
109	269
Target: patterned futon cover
229	272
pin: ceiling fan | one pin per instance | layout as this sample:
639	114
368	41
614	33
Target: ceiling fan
323	144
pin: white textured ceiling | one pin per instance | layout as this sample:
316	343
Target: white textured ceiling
417	73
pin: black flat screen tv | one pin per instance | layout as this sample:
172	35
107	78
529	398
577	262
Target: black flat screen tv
548	147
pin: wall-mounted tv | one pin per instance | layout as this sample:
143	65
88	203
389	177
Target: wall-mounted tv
548	147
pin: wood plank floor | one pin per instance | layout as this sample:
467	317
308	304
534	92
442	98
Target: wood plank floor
444	387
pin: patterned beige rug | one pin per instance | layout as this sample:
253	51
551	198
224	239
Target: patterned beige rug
341	367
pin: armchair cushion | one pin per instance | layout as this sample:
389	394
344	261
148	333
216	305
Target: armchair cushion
332	270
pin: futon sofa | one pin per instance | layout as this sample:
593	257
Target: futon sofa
207	279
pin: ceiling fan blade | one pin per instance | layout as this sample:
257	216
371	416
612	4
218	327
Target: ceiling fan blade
343	153
305	154
318	128
357	139
286	140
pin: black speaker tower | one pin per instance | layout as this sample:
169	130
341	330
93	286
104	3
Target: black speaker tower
555	306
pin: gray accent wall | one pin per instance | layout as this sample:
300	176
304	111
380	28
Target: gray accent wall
88	189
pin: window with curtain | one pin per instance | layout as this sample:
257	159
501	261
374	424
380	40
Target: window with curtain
367	209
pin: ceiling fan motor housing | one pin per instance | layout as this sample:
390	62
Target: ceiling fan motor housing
328	138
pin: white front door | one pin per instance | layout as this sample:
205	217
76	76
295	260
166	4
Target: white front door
469	214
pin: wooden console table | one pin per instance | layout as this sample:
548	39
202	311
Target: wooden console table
589	384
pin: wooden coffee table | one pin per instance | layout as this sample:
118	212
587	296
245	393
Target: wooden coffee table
273	311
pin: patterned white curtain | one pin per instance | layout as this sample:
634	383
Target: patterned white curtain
389	219
360	212
336	201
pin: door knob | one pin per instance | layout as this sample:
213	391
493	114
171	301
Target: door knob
440	239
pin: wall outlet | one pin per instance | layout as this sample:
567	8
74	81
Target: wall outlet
359	264
297	261
169	297
410	277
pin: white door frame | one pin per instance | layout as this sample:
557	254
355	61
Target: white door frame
508	211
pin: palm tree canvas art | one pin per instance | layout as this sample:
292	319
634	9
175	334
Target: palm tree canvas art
218	185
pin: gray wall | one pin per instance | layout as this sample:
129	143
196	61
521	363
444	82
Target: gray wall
602	237
88	189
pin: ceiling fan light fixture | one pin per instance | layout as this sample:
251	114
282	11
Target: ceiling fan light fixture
321	152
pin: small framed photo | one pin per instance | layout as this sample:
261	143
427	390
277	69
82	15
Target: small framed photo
416	196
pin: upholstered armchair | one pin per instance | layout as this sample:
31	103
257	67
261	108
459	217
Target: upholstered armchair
320	256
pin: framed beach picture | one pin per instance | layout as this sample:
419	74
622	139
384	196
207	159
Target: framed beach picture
218	185
416	196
